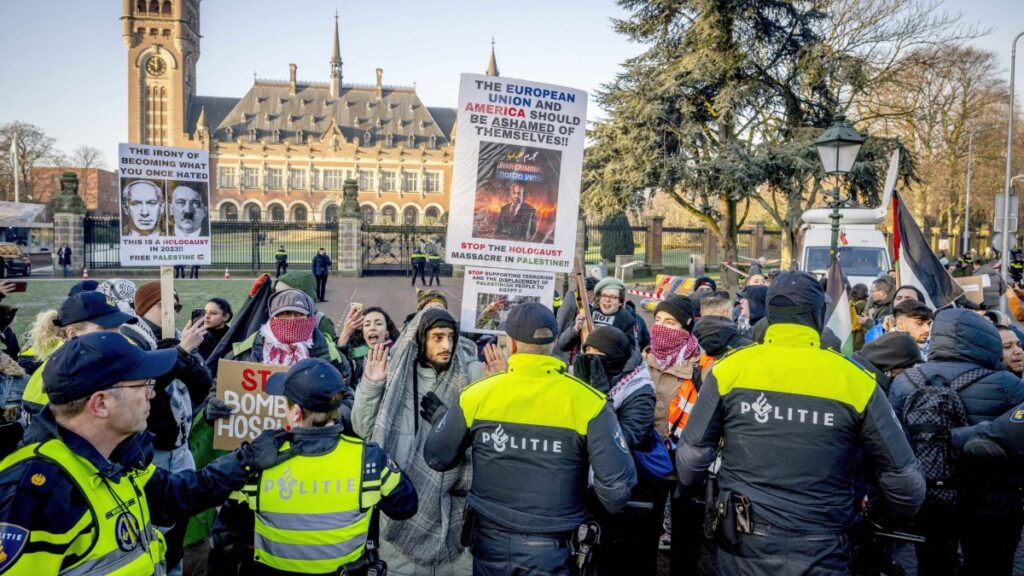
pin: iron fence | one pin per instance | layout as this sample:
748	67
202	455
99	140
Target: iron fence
387	250
598	234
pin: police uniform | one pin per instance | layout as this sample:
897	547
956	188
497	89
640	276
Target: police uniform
312	511
792	418
1017	268
67	509
435	268
419	263
281	257
535	432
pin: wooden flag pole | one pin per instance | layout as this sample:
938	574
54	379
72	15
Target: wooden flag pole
167	301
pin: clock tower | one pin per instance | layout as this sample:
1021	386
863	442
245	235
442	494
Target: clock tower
162	37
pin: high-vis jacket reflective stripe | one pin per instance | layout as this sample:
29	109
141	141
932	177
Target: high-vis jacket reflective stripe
239	348
116	537
312	512
34	389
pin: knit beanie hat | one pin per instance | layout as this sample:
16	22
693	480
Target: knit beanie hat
147	296
291	300
704	281
610	282
680	307
424	297
614	344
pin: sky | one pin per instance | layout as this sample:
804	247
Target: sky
64	66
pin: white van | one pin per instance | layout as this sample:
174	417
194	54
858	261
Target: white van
863	257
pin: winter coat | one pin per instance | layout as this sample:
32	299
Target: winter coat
995	289
960	341
666	386
634	403
321	265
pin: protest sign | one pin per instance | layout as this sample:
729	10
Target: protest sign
516	180
488	295
164	205
240	385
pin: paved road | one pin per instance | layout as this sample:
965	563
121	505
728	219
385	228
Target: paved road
392	293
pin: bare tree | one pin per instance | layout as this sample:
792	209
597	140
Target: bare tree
34	148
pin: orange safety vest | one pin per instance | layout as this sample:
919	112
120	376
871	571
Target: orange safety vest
680	407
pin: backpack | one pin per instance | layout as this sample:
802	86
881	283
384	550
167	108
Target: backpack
931	411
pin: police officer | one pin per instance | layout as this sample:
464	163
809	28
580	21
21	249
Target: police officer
281	257
82	496
314	517
1017	266
793	417
434	259
419	263
81	313
533	423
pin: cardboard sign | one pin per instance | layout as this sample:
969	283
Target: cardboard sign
516	179
973	287
240	385
488	295
165	205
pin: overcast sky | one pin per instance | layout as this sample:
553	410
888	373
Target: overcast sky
64	66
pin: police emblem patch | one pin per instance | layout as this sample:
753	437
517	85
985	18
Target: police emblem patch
38	479
620	440
1018	416
12	542
126	530
392	465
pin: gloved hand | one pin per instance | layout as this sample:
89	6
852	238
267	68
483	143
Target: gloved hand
265	451
984	448
216	409
432	409
588	367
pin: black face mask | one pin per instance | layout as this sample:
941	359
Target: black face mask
590	368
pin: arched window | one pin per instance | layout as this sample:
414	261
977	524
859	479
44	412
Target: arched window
411	143
389	215
367	138
154	6
140	5
229	212
331	213
299	213
253	212
277	213
410	216
368	214
433	142
166	8
432	215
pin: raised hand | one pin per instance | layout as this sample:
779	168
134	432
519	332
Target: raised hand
376	368
494	360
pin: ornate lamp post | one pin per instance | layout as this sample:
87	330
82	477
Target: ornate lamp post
838	147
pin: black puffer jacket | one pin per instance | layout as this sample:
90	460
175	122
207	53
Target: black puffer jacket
961	341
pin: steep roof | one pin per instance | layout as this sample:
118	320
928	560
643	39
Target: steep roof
268	106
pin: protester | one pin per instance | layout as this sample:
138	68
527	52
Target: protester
859	301
424	360
910	316
996	287
566	315
987	516
185	386
888	356
1013	354
643	335
216	319
704	284
882	291
121	291
907	292
89	452
321	270
609	310
573	431
361	331
629	540
789	397
756	279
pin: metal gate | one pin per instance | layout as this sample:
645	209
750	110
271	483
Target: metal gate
387	250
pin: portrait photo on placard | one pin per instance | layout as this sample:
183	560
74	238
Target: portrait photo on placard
188	208
516	193
143	208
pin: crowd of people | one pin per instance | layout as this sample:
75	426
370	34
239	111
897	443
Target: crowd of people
730	432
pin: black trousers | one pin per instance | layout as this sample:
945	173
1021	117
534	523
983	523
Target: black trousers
434	271
418	270
629	539
321	287
498	552
282	268
194	273
988	541
691	552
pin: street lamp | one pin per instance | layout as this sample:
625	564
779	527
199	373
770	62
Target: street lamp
838	147
967	203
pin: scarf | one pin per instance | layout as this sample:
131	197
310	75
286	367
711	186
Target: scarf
638	378
671	347
430	537
287	340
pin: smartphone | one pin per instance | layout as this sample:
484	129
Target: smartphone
357	306
20	286
198	314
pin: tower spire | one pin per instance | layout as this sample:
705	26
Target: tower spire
336	62
492	65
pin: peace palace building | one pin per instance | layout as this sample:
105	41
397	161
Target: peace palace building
284	149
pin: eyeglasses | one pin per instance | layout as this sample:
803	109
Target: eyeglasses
608	297
150	383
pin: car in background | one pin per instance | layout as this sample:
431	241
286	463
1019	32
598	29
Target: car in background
13	261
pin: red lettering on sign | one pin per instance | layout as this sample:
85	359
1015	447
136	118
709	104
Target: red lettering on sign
248	382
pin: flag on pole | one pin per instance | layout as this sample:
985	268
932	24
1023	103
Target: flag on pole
916	264
839	318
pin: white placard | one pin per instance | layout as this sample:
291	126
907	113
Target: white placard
164	205
516	182
488	295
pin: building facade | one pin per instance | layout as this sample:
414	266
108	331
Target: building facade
98	188
284	149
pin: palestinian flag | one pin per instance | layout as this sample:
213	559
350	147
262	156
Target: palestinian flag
916	265
839	320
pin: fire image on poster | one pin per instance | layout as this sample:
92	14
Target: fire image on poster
488	295
516	178
164	205
516	193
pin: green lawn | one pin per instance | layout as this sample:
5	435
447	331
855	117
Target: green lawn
45	294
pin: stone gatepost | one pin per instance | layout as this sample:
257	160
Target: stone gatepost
653	240
68	221
350	223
